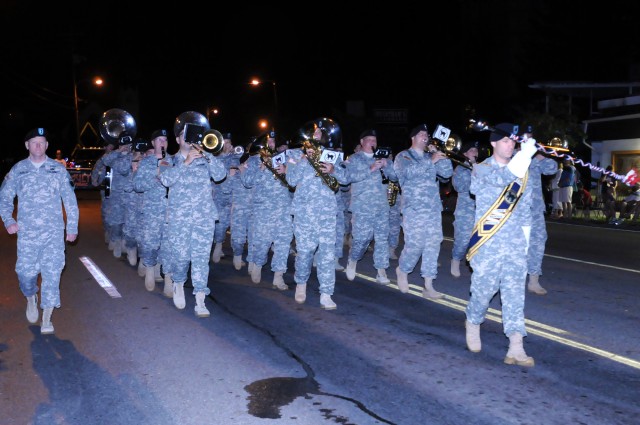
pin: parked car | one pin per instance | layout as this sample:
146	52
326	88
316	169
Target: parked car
81	163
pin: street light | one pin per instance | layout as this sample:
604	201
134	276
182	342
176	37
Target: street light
96	81
212	110
257	82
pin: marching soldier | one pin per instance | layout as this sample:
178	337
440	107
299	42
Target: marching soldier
369	206
418	171
500	238
191	218
39	183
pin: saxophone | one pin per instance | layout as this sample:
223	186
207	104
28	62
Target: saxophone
392	192
266	154
330	181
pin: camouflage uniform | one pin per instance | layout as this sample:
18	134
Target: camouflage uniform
501	263
154	209
222	197
341	201
272	221
241	216
421	209
132	208
538	239
98	175
41	224
191	218
314	210
464	214
120	163
369	208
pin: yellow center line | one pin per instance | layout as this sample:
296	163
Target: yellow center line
533	327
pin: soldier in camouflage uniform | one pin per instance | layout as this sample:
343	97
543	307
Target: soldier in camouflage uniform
133	205
499	260
120	162
341	200
39	183
222	196
154	210
465	212
540	165
418	171
241	215
98	176
314	210
369	206
271	205
191	218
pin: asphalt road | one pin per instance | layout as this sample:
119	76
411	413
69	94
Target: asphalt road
381	358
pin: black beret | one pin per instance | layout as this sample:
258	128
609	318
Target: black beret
159	133
417	129
226	136
272	134
504	129
37	132
468	145
367	133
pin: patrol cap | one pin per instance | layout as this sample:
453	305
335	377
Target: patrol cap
504	129
36	132
159	133
468	145
417	129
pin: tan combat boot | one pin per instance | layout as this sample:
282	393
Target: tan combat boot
256	273
455	268
301	293
326	302
351	269
149	279
429	292
403	282
168	286
278	281
382	278
47	326
178	295
32	309
474	344
534	285
217	253
516	354
200	309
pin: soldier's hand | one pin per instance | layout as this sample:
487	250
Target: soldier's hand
437	156
71	237
12	229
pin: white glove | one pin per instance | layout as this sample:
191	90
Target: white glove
520	162
529	146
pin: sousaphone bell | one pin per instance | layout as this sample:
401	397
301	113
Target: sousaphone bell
117	127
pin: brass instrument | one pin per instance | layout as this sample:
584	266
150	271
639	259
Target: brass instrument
117	127
450	148
261	147
331	137
238	150
198	133
393	189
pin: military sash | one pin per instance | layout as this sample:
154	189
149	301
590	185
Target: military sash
496	215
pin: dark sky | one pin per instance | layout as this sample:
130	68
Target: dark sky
432	61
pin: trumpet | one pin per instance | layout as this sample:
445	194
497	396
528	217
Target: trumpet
238	150
450	148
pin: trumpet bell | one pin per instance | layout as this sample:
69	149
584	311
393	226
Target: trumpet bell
213	141
117	127
453	143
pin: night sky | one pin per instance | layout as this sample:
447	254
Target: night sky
435	62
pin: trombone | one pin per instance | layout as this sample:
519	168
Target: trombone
450	148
